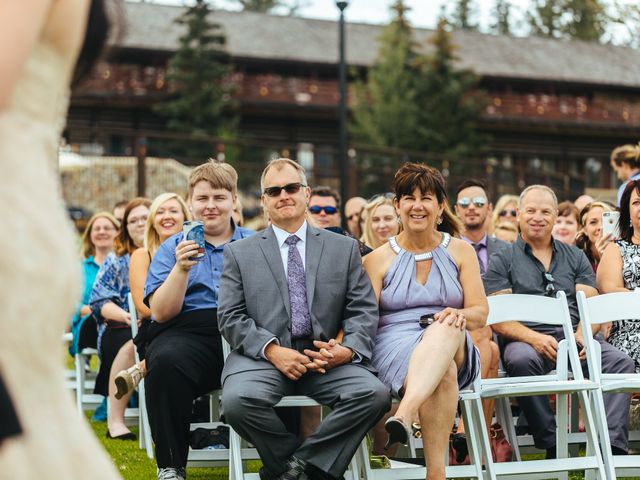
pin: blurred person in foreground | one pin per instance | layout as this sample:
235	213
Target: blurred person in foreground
619	270
41	433
567	223
537	264
281	309
429	288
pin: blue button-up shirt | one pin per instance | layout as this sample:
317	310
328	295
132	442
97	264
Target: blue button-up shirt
204	277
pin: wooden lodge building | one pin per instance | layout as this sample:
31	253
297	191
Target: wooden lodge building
556	108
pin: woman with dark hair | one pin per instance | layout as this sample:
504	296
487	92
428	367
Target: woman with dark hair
430	291
110	306
620	270
39	44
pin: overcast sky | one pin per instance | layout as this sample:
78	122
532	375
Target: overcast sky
422	13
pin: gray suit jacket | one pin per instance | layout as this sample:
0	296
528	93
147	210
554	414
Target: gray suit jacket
254	306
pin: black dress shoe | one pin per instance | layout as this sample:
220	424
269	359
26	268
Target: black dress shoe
296	470
314	473
397	430
124	436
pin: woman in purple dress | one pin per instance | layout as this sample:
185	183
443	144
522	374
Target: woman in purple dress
430	292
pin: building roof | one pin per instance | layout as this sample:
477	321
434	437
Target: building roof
272	37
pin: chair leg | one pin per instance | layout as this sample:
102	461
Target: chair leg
562	431
471	430
483	436
79	365
505	419
236	471
591	404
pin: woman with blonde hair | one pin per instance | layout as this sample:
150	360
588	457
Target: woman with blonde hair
167	213
590	239
625	161
381	221
505	210
97	243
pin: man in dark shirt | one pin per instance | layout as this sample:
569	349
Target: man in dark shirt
536	264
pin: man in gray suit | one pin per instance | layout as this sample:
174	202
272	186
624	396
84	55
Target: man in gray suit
301	316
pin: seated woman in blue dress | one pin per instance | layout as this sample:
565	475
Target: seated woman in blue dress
184	348
430	292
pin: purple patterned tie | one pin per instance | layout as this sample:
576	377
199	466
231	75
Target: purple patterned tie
300	318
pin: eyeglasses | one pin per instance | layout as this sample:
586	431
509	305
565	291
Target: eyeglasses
549	287
290	188
464	202
511	213
316	209
354	215
134	220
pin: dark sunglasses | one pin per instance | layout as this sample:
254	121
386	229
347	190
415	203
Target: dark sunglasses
511	213
549	287
290	188
464	202
316	209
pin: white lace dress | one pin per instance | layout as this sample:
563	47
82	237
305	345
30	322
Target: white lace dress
40	282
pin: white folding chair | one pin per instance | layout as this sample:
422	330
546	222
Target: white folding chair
472	416
145	440
85	381
611	307
237	455
552	311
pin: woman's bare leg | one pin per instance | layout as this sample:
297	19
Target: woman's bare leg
437	414
440	344
124	359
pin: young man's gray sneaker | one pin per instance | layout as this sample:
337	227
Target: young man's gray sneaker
171	473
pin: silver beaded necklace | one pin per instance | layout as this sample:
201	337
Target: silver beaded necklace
420	257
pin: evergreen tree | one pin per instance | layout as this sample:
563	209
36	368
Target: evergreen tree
450	104
385	111
202	102
463	15
544	17
587	20
266	6
502	16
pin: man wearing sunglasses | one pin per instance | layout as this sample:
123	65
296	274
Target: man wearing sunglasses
284	297
537	264
474	209
324	207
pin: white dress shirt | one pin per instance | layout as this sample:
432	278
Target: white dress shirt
282	235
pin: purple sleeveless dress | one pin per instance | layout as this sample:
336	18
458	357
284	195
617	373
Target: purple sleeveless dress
403	301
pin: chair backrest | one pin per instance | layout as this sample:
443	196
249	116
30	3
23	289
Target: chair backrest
609	307
538	309
134	315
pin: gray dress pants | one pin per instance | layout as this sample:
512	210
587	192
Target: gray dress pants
357	399
520	359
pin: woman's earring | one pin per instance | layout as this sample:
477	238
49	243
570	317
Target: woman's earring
399	221
439	221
